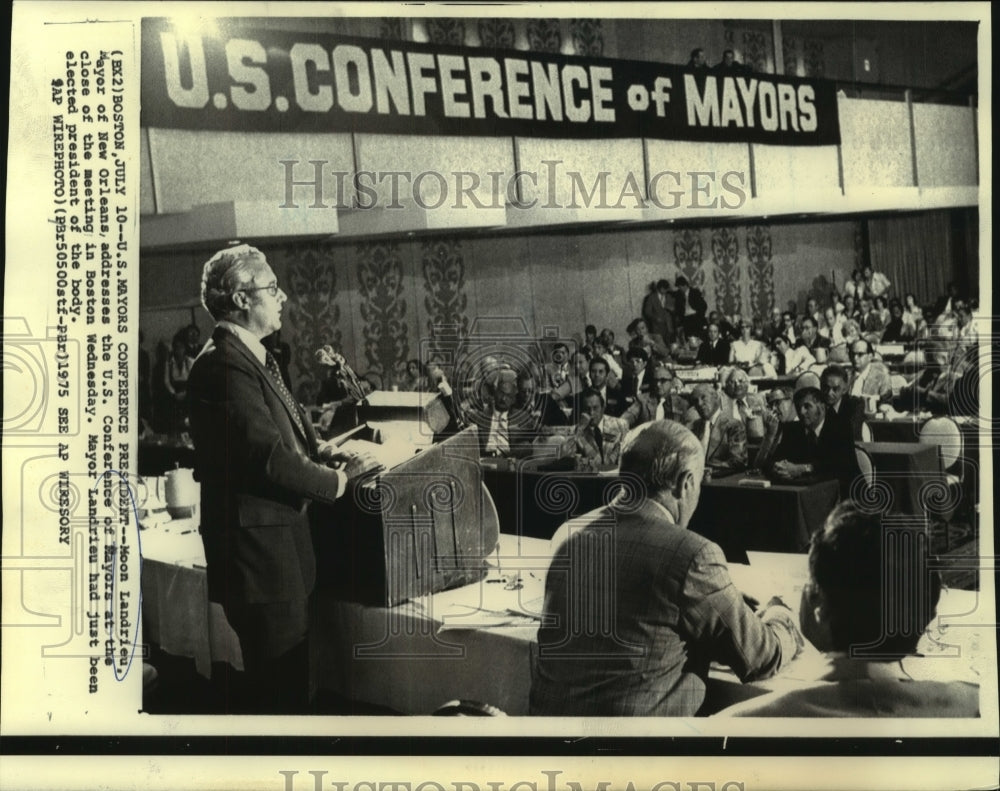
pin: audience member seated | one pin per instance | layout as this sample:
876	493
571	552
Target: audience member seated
715	350
788	325
687	353
815	448
634	378
697	61
577	380
775	327
871	321
611	395
913	315
852	309
600	352
812	341
504	430
597	441
896	329
726	329
945	304
723	438
664	604
750	354
589	336
780	411
658	310
540	406
875	671
662	403
643	339
842	408
729	64
742	405
558	370
607	337
841	352
791	360
869	377
876	283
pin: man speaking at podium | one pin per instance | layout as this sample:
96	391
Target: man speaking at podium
259	464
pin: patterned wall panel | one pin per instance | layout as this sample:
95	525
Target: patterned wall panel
688	254
498	33
790	51
588	36
726	271
312	311
757	50
812	55
761	270
382	306
544	35
446	30
392	28
442	262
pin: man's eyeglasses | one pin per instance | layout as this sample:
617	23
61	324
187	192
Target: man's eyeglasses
271	288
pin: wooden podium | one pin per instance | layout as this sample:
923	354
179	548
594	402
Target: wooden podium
425	525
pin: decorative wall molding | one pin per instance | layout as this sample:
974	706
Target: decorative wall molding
544	35
588	36
312	312
498	33
382	308
761	270
446	30
443	265
726	271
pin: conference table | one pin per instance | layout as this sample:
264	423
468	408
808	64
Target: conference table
743	512
476	642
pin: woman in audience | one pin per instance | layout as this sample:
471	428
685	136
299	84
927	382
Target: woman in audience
896	331
876	283
852	310
840	352
913	314
750	354
855	287
881	306
791	360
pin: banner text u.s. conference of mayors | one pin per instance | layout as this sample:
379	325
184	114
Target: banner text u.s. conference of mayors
246	77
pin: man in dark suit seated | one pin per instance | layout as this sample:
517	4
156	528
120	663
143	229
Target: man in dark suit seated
723	438
662	404
260	465
815	447
635	379
614	400
840	407
876	670
505	430
637	606
715	350
780	412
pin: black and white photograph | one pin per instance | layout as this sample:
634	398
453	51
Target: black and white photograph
617	379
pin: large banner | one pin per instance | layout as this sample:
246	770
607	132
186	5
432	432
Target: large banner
253	78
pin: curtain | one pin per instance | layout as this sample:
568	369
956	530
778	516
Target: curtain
914	252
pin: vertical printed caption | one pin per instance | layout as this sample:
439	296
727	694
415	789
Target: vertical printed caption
77	558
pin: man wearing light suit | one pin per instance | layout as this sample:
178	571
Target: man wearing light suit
637	606
597	442
723	437
660	404
259	464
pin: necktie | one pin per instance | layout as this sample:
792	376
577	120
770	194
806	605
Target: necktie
706	434
503	438
661	409
286	395
744	414
599	441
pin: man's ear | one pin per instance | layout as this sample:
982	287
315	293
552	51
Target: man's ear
240	300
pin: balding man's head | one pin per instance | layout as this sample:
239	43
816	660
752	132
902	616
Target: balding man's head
670	462
737	383
705	400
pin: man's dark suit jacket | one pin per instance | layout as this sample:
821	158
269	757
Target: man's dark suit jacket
714	356
614	403
257	474
832	456
851	414
665	607
695	323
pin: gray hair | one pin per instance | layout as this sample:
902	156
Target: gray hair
659	453
224	274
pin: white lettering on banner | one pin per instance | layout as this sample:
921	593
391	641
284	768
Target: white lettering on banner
740	102
240	54
197	95
301	56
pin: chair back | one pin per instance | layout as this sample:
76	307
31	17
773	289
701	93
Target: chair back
943	432
866	432
468	708
865	465
807	379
